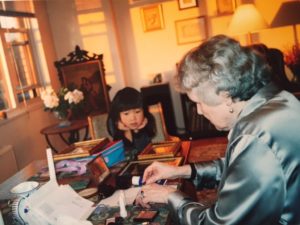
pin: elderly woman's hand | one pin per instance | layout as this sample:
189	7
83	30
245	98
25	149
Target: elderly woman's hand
157	171
154	193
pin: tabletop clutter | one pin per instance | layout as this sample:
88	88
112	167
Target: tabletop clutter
67	195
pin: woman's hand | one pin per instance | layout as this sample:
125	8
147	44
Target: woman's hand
157	171
154	193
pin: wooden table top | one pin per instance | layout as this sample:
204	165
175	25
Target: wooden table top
55	129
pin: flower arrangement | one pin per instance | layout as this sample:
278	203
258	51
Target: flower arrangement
292	56
63	102
292	59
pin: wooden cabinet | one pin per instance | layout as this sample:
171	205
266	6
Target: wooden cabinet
196	126
161	93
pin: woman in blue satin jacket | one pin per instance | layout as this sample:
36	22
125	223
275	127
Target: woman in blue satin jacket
258	180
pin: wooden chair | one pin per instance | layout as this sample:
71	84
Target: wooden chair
97	126
161	129
8	163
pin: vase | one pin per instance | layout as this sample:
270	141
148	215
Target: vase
63	119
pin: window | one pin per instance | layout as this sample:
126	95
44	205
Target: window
19	80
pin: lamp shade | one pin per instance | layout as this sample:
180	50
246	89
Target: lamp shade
246	19
288	14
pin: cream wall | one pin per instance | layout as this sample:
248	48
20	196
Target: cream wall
89	24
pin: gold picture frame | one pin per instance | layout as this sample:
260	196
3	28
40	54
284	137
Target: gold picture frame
99	170
225	6
82	149
186	4
85	71
137	168
160	150
191	30
152	17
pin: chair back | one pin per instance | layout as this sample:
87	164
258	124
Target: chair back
97	125
8	163
161	129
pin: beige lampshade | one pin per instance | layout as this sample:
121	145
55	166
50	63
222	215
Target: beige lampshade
246	19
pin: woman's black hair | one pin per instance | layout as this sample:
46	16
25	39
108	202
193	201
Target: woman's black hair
126	99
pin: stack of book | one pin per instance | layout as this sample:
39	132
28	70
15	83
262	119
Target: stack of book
82	149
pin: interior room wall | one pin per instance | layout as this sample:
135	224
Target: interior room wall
23	133
90	25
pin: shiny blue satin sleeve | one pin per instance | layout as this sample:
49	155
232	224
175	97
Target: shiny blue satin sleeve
252	181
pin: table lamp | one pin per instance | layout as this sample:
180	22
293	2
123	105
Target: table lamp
288	14
246	19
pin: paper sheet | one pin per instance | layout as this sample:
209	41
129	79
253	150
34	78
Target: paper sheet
52	201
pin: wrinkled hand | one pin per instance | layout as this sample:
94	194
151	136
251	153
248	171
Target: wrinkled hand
157	171
154	193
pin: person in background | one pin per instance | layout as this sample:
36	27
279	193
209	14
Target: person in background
129	120
258	180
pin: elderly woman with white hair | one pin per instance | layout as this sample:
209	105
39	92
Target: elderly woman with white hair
258	179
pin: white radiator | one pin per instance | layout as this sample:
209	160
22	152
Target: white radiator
8	163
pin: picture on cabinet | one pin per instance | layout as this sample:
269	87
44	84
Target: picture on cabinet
186	4
225	6
152	17
191	30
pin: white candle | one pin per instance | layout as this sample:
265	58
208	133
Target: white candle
1	219
51	165
122	204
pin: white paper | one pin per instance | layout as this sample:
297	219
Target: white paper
1	219
51	167
52	201
130	196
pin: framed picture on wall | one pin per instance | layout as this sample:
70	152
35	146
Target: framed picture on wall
191	30
185	4
152	17
86	73
225	6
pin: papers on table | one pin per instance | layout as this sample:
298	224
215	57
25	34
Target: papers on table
52	201
55	204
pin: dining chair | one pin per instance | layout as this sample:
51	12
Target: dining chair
97	125
8	163
161	129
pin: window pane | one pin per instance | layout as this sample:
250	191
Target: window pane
23	53
3	99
